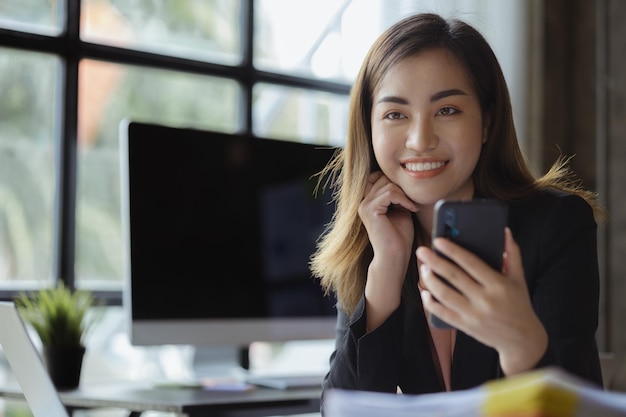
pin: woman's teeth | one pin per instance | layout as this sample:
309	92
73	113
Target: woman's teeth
423	166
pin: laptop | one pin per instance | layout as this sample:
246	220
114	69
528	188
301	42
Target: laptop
27	365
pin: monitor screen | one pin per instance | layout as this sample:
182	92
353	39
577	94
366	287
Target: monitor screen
219	229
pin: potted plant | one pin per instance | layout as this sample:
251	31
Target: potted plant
61	318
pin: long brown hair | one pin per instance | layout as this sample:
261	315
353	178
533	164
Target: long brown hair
343	253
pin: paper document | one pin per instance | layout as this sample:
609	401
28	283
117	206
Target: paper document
548	392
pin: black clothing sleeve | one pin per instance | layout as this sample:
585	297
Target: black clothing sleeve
561	270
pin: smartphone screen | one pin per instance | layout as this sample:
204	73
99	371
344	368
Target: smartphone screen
477	225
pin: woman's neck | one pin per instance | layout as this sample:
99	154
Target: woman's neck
425	217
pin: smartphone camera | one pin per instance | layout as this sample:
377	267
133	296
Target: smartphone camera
449	220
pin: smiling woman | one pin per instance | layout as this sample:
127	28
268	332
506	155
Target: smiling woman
431	120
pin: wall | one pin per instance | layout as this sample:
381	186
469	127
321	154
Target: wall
584	114
615	169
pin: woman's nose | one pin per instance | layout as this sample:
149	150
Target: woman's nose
421	136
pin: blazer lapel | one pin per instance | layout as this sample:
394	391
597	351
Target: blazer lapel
473	363
420	374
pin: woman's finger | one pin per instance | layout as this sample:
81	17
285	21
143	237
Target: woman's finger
467	261
380	194
453	274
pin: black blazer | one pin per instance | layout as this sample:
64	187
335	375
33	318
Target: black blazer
556	233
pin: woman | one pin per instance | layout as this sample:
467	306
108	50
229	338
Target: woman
431	119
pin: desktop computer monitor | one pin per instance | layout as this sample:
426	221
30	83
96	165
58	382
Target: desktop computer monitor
219	229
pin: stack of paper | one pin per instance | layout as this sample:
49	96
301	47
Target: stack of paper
548	392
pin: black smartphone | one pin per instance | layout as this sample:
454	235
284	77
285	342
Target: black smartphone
477	225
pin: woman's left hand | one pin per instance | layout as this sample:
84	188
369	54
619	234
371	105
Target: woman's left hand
491	306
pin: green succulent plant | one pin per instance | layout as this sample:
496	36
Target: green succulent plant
58	315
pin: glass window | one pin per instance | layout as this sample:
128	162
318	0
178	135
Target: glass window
108	94
299	115
324	39
38	16
28	128
199	29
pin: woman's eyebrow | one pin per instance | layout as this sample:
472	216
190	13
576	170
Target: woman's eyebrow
437	96
447	93
392	99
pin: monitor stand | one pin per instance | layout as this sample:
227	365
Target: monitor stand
191	366
233	365
220	362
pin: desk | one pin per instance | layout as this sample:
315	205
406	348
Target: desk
191	402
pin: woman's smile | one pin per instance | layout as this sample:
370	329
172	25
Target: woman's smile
424	169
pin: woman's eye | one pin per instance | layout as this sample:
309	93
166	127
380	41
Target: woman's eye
447	111
394	115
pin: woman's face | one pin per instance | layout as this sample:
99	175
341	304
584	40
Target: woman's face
427	127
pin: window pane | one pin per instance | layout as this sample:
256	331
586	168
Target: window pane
325	39
39	16
299	115
28	126
198	29
108	94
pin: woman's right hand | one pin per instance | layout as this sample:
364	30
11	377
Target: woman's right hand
386	214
